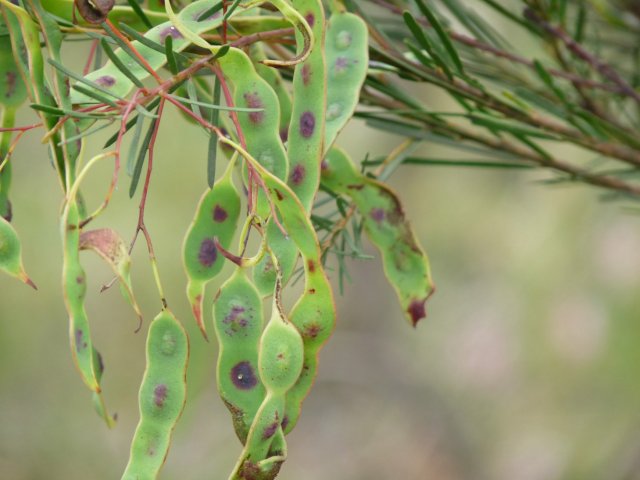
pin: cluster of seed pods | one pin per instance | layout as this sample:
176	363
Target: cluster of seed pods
264	372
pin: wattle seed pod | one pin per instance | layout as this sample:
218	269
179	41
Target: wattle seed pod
10	253
305	141
405	264
216	219
238	322
13	93
162	397
347	62
306	130
74	285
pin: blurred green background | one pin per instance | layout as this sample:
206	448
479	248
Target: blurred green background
526	367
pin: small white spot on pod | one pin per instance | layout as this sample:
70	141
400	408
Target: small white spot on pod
343	40
266	160
334	111
168	344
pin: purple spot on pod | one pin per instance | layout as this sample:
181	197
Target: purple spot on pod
80	343
297	174
253	101
170	31
341	65
284	135
306	74
270	430
208	252
219	214
307	124
310	18
377	214
235	319
100	362
285	422
106	81
11	78
416	311
312	330
243	377
160	395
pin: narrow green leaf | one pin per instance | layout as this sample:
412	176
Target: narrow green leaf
125	48
133	33
80	78
212	11
425	43
141	156
212	154
140	13
133	147
95	95
171	58
120	64
442	34
153	104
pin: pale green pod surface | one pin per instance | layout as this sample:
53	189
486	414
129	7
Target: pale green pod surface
405	263
74	283
216	218
265	429
238	321
10	253
110	78
347	61
13	91
260	127
284	249
162	397
306	130
274	79
281	352
86	358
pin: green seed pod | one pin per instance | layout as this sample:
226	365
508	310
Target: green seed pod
347	61
238	322
262	136
13	91
162	397
284	249
74	284
405	264
281	351
306	130
10	253
216	219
